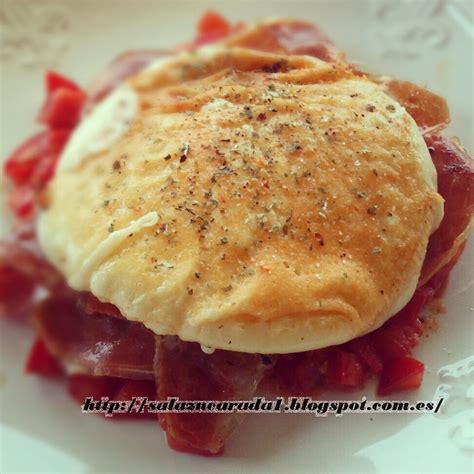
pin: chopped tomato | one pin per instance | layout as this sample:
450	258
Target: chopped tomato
45	169
300	373
363	347
405	373
62	108
305	373
21	201
19	166
344	369
211	27
41	361
56	81
212	22
57	139
64	102
395	341
398	336
25	165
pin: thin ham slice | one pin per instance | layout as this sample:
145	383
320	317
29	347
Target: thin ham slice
92	305
183	370
288	37
23	269
99	345
123	66
456	184
113	388
20	250
430	111
16	292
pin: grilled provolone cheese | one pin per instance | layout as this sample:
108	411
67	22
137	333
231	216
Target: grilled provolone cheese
247	201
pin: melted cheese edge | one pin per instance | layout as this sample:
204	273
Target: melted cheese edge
81	279
111	119
103	127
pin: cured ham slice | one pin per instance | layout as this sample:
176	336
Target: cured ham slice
99	345
183	370
113	388
92	305
21	252
456	184
429	110
22	270
289	37
16	291
123	66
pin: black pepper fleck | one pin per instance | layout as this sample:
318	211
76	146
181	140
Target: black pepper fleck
372	210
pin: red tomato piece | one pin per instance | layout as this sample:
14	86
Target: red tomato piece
405	373
56	81
57	139
344	369
211	22
19	166
46	166
21	201
44	170
364	349
396	341
300	373
211	27
305	374
22	165
40	361
399	335
62	108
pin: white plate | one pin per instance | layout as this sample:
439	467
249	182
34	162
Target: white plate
430	42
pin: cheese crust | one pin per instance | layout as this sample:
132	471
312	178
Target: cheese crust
253	202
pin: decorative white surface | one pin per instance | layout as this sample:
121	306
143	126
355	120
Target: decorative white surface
33	33
457	390
407	28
